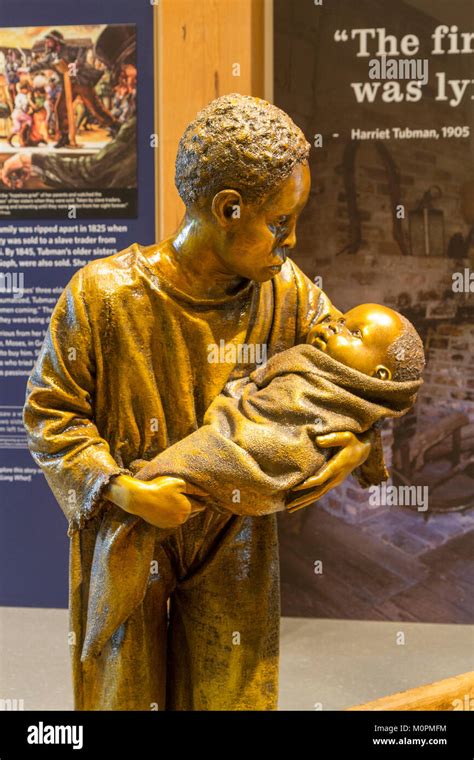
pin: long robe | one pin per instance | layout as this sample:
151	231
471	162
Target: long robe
123	374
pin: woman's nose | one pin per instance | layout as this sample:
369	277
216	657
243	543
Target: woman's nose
289	239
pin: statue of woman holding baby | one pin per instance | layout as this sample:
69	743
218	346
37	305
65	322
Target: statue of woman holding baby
175	602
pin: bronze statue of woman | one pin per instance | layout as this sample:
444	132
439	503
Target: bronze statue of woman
175	605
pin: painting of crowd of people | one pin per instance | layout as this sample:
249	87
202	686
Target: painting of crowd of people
65	90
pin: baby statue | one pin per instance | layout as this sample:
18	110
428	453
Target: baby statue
259	437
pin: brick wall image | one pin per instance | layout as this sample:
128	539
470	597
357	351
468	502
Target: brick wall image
361	256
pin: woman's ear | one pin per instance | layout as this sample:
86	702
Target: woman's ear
382	372
226	206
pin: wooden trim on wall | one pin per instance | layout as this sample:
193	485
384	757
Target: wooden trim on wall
157	123
199	41
268	62
257	36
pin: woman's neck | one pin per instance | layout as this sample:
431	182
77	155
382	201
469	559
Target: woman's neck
189	261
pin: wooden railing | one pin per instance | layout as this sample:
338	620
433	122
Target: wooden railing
455	693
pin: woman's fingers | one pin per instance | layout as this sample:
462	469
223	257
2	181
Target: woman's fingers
299	505
326	472
316	493
352	454
335	439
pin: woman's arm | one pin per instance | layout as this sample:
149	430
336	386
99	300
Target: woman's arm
58	414
62	436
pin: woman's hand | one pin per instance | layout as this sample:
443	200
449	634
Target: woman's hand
354	452
162	502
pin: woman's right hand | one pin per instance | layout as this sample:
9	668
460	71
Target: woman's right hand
162	502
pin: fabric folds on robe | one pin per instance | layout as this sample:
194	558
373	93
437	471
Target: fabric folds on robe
258	437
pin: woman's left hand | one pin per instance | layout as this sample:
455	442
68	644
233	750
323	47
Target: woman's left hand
354	451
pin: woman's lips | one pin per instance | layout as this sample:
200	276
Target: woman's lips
280	255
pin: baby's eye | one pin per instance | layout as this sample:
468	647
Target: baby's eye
357	333
281	220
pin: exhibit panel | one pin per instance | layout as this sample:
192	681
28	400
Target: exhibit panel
78	148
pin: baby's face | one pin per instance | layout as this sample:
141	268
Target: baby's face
360	338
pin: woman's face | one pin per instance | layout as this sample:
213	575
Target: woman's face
256	243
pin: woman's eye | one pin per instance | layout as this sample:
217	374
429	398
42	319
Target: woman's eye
282	220
357	333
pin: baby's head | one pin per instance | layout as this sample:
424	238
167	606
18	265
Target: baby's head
372	339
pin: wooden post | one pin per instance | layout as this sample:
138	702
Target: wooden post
206	48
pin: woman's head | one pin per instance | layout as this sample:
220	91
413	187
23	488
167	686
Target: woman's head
242	171
239	142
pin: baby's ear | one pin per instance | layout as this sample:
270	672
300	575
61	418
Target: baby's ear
382	372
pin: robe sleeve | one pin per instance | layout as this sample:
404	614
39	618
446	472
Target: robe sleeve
58	412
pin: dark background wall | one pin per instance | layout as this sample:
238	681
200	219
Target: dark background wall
388	562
